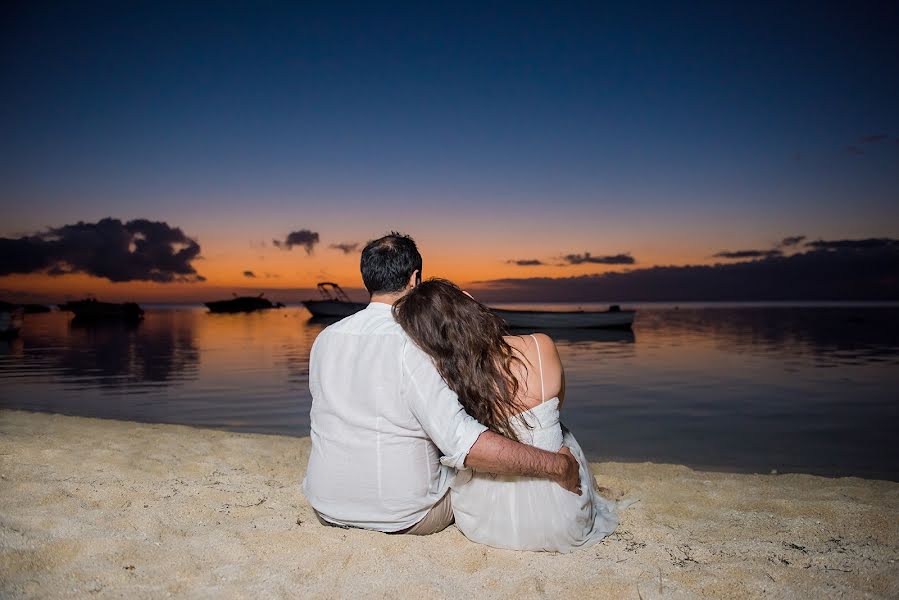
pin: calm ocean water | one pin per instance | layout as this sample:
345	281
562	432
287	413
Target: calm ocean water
810	388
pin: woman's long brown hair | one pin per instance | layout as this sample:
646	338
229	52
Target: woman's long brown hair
464	338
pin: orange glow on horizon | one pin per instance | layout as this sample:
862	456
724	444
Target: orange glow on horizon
298	273
464	253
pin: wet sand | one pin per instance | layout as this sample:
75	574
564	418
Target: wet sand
112	509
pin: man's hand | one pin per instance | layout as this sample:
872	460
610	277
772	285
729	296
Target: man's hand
570	477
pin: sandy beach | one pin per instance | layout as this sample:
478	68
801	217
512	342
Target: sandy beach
111	509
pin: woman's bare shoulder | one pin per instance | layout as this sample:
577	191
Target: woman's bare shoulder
527	339
546	343
528	344
544	340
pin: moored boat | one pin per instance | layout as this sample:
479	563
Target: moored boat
92	309
334	302
614	318
242	304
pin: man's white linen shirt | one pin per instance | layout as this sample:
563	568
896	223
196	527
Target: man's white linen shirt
381	417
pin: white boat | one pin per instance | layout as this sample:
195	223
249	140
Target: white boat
11	322
333	303
614	318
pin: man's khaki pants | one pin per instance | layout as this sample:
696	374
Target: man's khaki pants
438	518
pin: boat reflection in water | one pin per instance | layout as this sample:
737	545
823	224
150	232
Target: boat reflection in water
613	318
128	356
11	322
586	336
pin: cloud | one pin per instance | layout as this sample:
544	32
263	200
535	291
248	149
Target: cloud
305	238
139	250
777	250
788	242
868	139
854	150
346	248
863	244
836	270
743	254
527	262
249	274
616	259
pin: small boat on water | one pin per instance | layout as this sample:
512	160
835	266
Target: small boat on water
11	322
91	309
242	304
614	318
333	303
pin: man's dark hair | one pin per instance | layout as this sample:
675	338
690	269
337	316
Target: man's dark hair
388	262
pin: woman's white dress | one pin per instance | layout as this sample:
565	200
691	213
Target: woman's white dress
525	513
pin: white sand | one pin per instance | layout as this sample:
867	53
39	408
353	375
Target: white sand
109	509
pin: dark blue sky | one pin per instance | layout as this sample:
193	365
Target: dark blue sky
692	124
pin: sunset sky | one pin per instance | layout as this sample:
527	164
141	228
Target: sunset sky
494	133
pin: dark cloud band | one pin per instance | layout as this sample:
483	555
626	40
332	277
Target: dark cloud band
827	270
791	241
744	254
863	244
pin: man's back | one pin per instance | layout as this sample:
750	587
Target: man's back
377	404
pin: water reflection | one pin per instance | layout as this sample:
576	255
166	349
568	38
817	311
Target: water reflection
56	348
831	335
183	365
116	354
758	388
753	388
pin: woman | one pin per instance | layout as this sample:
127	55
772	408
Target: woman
515	386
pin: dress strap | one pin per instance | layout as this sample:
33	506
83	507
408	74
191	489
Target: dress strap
540	363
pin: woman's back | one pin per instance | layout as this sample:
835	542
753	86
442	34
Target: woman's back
540	377
540	382
524	513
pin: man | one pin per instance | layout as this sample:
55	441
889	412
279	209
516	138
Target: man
382	415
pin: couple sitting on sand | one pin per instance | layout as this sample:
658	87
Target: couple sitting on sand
425	412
